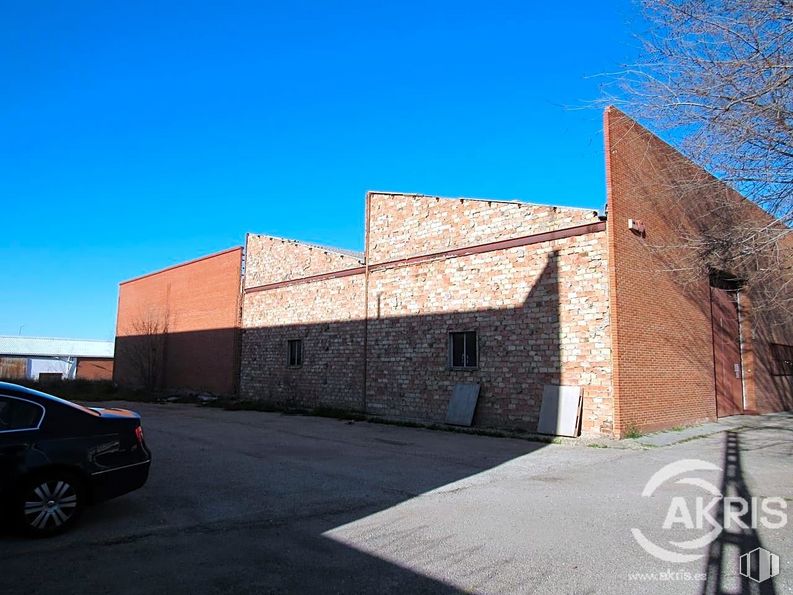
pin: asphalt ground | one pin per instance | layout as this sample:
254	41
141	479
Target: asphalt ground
251	502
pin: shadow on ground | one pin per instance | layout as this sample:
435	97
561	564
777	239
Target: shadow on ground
242	506
741	537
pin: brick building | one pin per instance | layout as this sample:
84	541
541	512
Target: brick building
683	351
47	358
516	296
178	328
375	332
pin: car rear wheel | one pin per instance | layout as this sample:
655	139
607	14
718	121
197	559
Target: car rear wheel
50	504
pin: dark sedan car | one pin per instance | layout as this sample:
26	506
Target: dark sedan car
56	457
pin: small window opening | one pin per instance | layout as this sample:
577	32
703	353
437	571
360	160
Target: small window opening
295	348
463	350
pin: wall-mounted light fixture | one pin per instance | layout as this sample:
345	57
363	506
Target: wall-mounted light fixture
636	226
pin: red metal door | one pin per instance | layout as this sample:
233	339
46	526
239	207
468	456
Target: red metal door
726	352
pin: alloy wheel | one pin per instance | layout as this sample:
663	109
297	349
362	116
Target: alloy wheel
50	505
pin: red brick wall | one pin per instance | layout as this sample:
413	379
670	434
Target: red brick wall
199	303
94	368
767	392
661	320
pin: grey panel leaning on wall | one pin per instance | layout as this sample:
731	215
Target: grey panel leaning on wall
462	404
560	410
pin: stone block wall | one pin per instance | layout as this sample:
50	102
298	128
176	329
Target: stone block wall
376	338
271	260
541	316
405	225
327	315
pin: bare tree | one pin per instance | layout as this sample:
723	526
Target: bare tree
144	347
718	76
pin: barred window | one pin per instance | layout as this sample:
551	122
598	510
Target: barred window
295	349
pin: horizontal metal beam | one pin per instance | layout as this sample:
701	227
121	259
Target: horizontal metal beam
537	238
310	279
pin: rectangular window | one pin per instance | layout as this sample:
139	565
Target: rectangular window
295	347
781	360
463	350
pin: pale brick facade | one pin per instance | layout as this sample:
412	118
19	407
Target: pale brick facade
376	336
272	260
326	315
403	225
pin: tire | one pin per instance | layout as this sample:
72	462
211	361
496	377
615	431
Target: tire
50	503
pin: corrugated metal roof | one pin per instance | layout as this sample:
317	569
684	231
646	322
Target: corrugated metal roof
343	251
48	346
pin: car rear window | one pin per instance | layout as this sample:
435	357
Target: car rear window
18	414
66	403
72	405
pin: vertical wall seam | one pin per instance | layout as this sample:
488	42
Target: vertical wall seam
237	364
366	299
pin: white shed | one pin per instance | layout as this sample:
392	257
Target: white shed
29	357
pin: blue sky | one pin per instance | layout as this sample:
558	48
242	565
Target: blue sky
136	135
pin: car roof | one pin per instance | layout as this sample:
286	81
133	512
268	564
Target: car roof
16	390
19	390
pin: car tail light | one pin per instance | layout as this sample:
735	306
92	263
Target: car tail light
139	435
